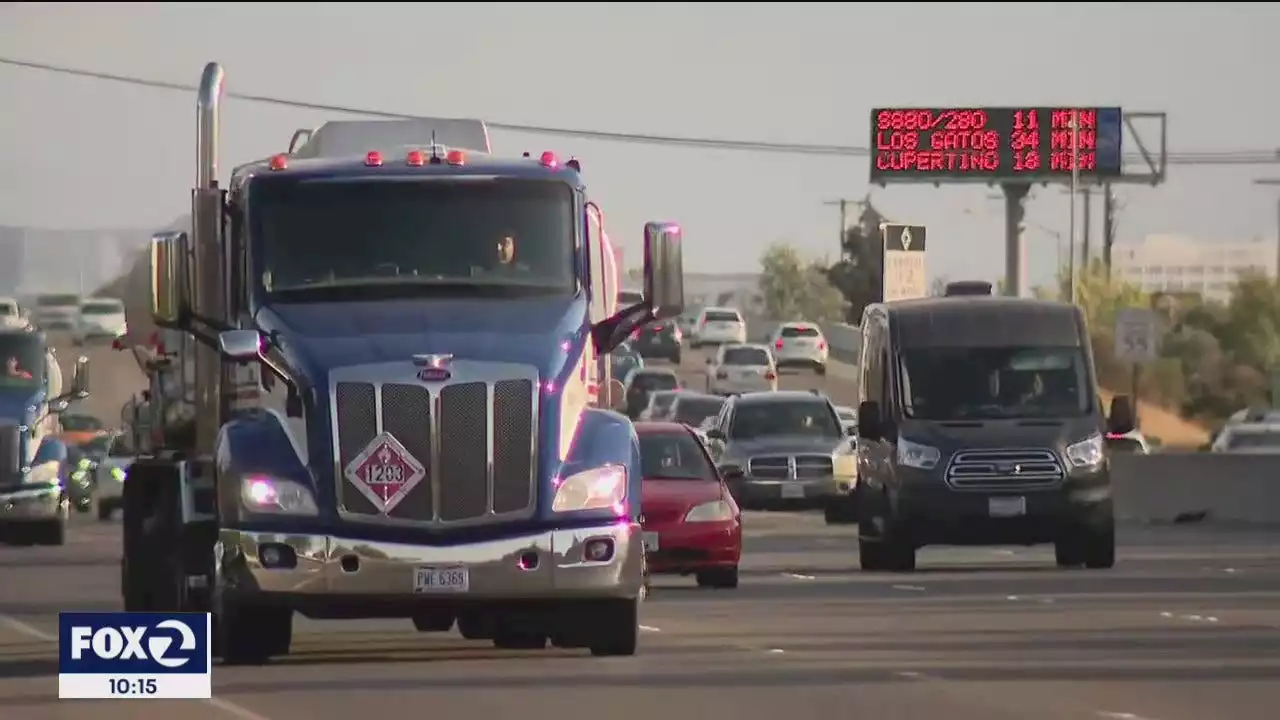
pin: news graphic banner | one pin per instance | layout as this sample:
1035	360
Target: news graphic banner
994	145
135	655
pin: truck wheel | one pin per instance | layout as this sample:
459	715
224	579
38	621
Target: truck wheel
248	635
617	628
433	623
474	627
53	532
515	638
719	578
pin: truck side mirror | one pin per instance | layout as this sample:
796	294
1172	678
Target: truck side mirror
170	280
240	345
870	422
80	379
1121	419
663	269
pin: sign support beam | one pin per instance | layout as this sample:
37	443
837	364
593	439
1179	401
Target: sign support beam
1015	211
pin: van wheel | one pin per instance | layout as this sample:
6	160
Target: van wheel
1092	545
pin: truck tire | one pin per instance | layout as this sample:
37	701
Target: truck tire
249	635
53	532
474	627
617	628
433	623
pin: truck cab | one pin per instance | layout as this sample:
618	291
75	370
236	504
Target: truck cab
409	394
33	498
980	424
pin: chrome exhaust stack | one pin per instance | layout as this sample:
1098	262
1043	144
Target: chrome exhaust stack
208	111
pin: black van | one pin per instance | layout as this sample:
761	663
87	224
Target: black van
979	424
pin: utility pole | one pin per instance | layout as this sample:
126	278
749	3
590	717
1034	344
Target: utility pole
1108	225
1086	225
843	204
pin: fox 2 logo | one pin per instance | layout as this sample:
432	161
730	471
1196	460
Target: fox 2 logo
122	643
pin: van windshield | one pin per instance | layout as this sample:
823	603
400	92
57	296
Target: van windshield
987	383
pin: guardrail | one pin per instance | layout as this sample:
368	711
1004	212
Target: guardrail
1168	487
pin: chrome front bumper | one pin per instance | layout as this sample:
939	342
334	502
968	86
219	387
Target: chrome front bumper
498	569
33	505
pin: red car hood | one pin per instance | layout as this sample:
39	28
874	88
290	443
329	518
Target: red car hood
668	500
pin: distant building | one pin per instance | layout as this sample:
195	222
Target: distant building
1172	263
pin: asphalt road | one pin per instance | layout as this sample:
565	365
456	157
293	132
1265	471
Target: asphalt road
1187	627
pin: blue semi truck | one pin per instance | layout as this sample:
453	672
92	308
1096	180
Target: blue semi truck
397	351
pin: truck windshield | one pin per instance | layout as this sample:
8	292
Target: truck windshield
367	239
23	361
986	383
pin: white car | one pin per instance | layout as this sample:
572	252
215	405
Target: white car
100	319
12	315
717	326
1261	438
109	474
739	368
56	311
800	344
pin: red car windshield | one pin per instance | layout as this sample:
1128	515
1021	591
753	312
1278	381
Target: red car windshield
673	456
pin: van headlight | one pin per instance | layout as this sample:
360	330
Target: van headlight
915	455
1087	453
600	488
264	494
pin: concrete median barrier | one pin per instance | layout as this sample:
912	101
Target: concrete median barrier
1198	487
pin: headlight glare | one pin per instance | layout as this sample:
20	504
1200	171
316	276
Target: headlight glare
264	494
600	488
1088	452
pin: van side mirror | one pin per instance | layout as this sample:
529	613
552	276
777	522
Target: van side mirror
170	278
663	269
870	422
1121	419
240	345
80	379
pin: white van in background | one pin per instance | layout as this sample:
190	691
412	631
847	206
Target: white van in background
100	319
12	315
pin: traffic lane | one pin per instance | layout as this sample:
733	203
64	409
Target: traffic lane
838	384
1154	652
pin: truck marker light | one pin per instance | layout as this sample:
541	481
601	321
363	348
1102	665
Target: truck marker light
278	162
373	159
457	158
416	158
549	159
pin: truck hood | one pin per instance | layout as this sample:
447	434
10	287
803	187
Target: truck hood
318	337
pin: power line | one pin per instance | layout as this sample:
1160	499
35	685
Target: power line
1208	157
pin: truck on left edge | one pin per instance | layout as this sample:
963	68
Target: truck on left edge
34	504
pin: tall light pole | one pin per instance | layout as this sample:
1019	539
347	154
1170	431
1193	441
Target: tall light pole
1075	188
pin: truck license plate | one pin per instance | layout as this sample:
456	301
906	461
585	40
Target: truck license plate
450	579
1007	506
792	491
651	542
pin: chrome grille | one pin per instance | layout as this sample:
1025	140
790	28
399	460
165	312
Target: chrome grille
475	439
772	467
790	467
1004	469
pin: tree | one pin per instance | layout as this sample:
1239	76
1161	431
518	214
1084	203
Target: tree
858	274
792	289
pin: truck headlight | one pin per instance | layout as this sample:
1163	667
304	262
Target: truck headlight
915	455
264	494
1088	452
844	465
600	488
715	511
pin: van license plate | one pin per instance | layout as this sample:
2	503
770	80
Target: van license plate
450	579
1003	507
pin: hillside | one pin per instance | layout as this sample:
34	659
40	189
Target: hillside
1173	431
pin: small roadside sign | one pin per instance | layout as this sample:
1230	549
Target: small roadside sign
904	267
1137	335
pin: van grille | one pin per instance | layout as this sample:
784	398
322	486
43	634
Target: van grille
475	440
1004	469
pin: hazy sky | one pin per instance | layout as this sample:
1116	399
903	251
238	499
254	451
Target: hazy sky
85	153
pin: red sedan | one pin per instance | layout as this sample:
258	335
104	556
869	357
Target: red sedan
691	524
